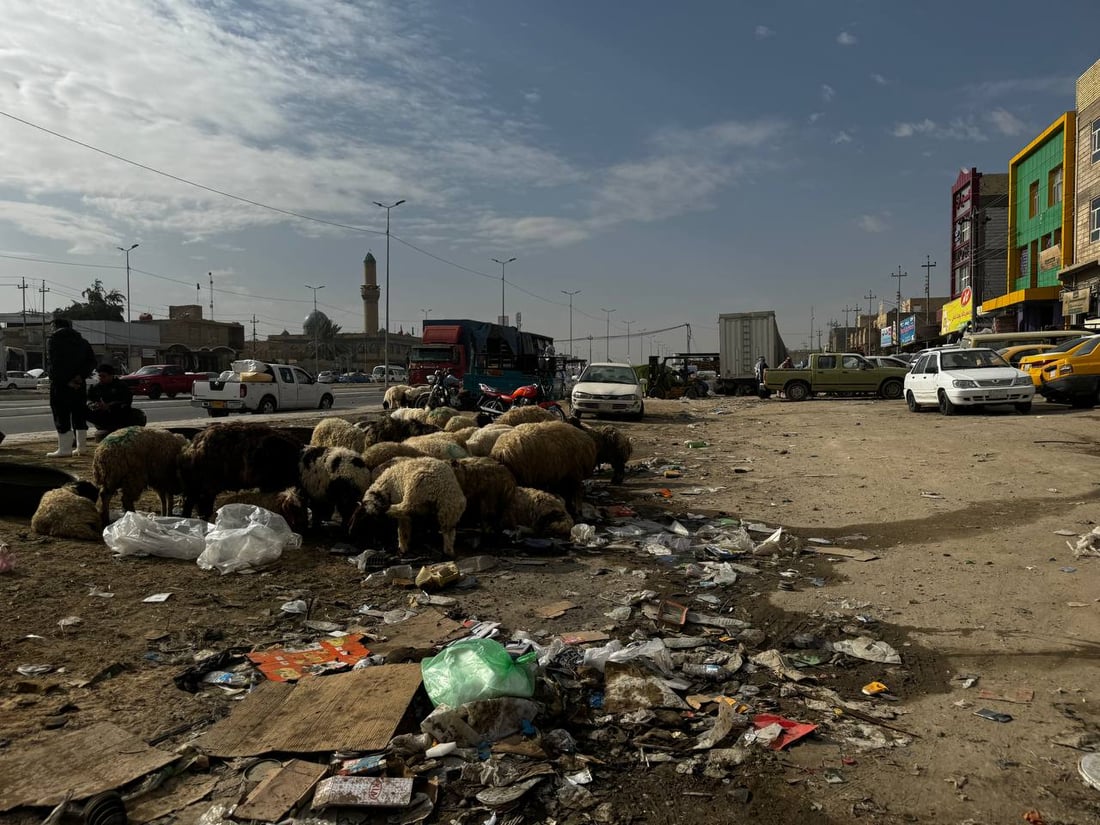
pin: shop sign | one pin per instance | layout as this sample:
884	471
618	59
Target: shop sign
908	333
956	313
1075	302
886	336
1051	257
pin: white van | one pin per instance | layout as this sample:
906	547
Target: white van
398	375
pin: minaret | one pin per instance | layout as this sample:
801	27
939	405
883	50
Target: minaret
369	292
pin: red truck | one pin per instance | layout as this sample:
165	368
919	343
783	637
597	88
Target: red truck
161	379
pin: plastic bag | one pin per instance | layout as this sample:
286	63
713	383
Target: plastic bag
474	669
143	534
653	649
246	537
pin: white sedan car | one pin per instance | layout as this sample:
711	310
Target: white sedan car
608	389
18	380
950	378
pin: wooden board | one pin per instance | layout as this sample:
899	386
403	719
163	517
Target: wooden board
281	792
355	711
87	762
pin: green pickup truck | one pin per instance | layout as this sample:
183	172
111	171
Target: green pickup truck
836	373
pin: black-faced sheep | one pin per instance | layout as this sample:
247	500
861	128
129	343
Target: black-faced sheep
69	512
236	455
612	447
488	487
441	445
527	414
333	478
481	443
395	428
542	513
414	488
551	456
383	451
336	432
287	503
134	458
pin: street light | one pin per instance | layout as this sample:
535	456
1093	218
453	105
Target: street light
386	334
607	343
629	324
570	293
129	332
316	365
502	263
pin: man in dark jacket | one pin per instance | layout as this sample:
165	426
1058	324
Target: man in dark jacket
110	403
71	361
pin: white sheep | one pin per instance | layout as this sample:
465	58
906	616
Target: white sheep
395	397
527	414
69	512
488	487
132	459
460	422
551	456
481	443
439	445
336	432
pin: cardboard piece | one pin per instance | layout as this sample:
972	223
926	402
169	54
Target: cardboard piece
86	762
424	630
186	793
331	653
854	555
554	609
356	711
1018	696
281	792
364	791
581	637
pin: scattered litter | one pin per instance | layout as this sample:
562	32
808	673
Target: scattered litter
437	576
363	792
245	538
1019	696
1068	569
336	653
1064	532
874	689
992	715
1086	545
295	607
7	558
868	649
854	555
581	637
281	791
69	621
930	494
103	594
157	598
475	669
789	731
34	670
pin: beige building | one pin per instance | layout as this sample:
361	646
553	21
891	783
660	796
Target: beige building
1081	279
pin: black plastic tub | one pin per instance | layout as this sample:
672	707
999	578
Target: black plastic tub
23	485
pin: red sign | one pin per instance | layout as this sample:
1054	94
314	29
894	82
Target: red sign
964	297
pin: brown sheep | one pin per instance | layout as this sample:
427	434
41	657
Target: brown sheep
481	442
460	422
527	414
69	512
551	456
542	513
441	445
612	447
488	487
134	458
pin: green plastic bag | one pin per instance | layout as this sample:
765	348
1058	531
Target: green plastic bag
474	669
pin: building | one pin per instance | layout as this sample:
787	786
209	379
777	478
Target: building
1081	279
979	232
1041	192
369	292
187	339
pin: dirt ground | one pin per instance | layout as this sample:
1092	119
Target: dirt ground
971	580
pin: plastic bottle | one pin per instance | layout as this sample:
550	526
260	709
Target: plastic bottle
713	672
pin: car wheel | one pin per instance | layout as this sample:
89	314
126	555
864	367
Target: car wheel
11	386
1024	407
891	389
267	405
576	414
946	407
154	392
638	416
911	402
171	394
797	391
326	402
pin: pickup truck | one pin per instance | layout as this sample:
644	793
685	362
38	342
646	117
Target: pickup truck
258	387
161	379
836	373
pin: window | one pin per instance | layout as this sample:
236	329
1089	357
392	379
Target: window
1096	140
1025	266
1094	218
826	362
1033	258
962	278
286	374
1054	186
852	362
1033	200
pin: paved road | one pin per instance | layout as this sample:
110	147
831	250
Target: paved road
29	412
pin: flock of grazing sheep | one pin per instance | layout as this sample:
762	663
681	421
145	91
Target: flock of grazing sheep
413	469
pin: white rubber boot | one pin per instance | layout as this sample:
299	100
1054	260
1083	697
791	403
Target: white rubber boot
64	446
81	441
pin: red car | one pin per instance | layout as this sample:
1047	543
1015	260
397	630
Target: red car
161	379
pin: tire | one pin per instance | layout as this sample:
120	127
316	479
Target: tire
422	401
267	405
946	407
496	406
171	394
326	402
797	391
154	392
556	411
911	402
576	414
891	389
638	416
1023	408
11	386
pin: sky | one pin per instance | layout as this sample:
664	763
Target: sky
669	162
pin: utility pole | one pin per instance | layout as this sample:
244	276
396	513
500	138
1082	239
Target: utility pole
927	267
628	325
26	340
847	334
502	263
590	348
253	335
897	314
44	289
316	353
870	296
570	293
211	276
819	340
386	334
811	325
607	343
129	327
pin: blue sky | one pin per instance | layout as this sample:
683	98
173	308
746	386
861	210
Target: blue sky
672	162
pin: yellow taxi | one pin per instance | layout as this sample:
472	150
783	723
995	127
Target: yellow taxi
1017	352
1069	373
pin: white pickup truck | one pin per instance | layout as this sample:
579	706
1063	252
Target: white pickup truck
259	387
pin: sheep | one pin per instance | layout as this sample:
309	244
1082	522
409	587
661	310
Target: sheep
69	512
488	487
395	396
333	478
540	512
481	443
236	455
439	445
528	414
407	414
383	451
551	456
460	422
337	432
134	458
287	503
393	428
411	489
612	447
440	416
463	435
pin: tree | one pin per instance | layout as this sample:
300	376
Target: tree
320	328
99	305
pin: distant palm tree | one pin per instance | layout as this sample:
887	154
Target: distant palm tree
323	333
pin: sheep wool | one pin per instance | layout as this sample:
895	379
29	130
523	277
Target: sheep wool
460	422
551	456
333	478
395	396
612	447
69	512
383	451
412	489
438	445
542	513
134	458
440	416
394	427
336	432
481	443
463	435
488	487
529	414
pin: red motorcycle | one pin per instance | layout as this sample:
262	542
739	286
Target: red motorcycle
495	403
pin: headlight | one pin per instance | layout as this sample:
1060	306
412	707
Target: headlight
1022	381
1065	368
630	398
964	384
582	395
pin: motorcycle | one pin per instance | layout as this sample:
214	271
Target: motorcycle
440	394
495	403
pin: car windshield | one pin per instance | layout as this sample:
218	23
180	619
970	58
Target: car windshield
1066	346
147	371
968	359
609	375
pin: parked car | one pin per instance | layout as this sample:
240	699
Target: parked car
326	377
953	378
1070	376
1016	352
19	380
608	388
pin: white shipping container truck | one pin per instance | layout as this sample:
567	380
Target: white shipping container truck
742	338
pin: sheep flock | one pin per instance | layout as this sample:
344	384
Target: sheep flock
411	477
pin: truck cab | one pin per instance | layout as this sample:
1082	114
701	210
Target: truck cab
836	373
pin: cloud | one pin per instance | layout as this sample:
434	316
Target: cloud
763	32
846	39
842	137
920	127
1006	123
815	116
879	79
988	90
532	97
956	129
872	223
827	93
82	233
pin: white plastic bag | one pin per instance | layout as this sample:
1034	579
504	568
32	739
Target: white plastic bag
143	534
246	537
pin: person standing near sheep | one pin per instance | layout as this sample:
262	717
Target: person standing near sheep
71	362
